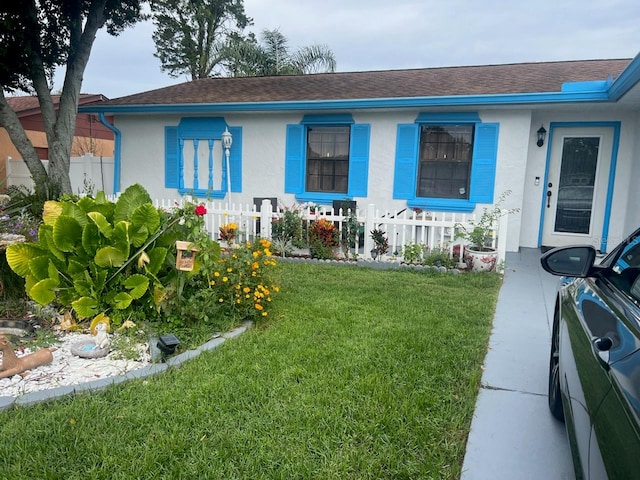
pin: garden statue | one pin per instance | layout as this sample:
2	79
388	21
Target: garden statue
12	365
96	347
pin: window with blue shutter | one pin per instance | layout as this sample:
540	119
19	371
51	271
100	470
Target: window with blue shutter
446	162
327	158
195	161
171	157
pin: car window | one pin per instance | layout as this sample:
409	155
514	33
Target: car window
625	272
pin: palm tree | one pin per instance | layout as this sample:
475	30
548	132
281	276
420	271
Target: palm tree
245	57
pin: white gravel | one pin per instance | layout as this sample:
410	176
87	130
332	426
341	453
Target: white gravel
68	369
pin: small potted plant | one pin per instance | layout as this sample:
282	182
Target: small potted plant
479	254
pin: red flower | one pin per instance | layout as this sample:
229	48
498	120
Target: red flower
201	210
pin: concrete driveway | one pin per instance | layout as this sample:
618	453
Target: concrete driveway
513	435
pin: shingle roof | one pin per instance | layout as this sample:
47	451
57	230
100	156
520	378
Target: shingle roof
27	105
428	82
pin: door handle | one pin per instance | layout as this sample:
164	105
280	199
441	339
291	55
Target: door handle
549	198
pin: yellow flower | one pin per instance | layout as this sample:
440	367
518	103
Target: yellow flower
229	270
267	252
258	306
256	254
225	279
221	299
246	289
264	314
216	274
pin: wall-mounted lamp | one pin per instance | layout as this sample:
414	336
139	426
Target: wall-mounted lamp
542	134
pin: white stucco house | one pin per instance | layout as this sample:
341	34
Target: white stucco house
562	136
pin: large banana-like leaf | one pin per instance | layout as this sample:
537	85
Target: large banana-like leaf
86	204
75	268
91	239
148	216
102	223
110	257
122	300
85	307
51	211
74	211
39	267
156	259
137	285
138	235
120	238
43	291
133	197
19	255
82	287
67	233
45	240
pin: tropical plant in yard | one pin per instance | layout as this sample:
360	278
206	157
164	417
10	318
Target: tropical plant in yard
380	241
95	256
323	237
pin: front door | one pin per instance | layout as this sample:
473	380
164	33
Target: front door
576	190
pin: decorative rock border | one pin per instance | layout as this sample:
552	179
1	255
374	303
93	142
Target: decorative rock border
175	361
378	265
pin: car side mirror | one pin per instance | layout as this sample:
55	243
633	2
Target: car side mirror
574	261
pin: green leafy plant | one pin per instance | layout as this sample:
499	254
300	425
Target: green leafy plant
287	231
414	253
479	233
323	236
380	240
438	257
238	286
349	234
96	256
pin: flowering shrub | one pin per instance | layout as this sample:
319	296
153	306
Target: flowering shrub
323	236
235	287
20	223
243	285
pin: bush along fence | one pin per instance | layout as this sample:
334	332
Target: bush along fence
411	236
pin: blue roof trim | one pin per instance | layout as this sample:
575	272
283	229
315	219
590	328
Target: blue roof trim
590	86
413	102
448	117
327	119
626	80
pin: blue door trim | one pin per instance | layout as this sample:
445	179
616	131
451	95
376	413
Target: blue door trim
612	173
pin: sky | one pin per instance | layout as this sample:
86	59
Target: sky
382	35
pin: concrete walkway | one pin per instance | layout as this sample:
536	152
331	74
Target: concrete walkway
513	435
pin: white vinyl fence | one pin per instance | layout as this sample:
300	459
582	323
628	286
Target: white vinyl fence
85	172
433	229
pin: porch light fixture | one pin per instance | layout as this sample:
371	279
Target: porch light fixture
227	140
542	134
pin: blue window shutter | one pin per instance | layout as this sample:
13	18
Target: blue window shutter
483	170
294	159
359	160
171	163
406	166
235	159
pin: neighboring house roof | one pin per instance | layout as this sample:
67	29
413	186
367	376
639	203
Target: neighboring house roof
29	105
510	79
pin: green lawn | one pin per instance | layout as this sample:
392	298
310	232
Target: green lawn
358	373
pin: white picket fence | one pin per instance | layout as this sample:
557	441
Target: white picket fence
434	229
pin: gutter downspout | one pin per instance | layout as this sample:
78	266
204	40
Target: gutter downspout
117	140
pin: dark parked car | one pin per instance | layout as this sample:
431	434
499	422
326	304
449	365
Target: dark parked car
594	367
